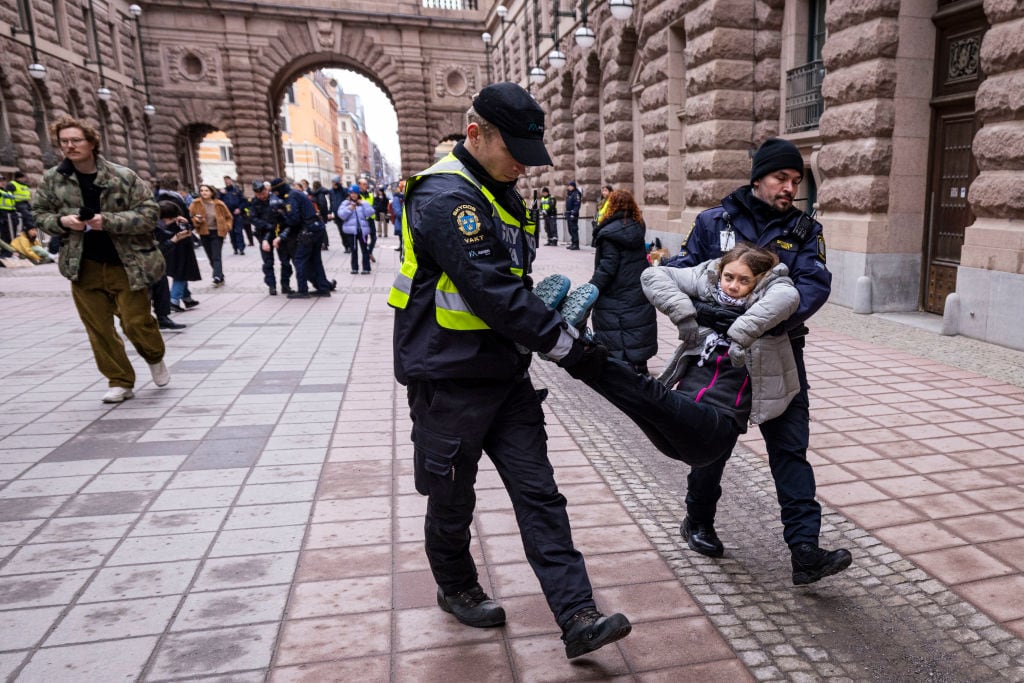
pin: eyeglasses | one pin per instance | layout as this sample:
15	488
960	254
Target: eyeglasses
71	142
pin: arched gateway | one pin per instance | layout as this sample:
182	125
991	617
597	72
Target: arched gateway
227	66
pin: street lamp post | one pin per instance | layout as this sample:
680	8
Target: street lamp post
486	37
502	11
136	12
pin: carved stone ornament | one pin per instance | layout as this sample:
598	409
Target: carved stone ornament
454	80
186	65
963	58
325	33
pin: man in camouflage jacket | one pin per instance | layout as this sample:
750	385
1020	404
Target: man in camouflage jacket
104	216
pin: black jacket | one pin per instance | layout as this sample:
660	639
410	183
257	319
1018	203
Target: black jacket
478	258
180	256
623	319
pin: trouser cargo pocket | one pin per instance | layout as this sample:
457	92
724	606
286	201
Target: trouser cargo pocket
433	459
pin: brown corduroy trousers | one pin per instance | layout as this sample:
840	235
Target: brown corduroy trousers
102	291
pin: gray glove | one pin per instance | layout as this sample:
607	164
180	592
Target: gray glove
688	332
737	354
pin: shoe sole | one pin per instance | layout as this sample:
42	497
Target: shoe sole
619	630
803	578
697	549
552	290
497	620
576	308
119	400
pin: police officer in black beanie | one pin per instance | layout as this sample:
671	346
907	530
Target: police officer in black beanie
763	214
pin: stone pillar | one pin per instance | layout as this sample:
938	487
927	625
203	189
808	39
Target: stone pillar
587	132
873	159
991	273
732	68
618	50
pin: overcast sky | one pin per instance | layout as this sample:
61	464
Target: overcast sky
381	120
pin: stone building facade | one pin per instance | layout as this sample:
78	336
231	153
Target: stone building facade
910	114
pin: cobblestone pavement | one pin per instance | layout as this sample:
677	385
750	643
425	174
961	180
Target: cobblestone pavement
256	519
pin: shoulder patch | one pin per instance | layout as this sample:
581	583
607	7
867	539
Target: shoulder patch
686	237
466	219
821	248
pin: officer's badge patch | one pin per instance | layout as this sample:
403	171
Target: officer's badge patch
466	219
788	246
821	248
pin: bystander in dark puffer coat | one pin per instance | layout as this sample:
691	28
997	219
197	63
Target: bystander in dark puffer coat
623	319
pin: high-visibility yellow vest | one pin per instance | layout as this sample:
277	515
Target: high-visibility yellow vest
21	192
600	209
545	205
452	311
7	201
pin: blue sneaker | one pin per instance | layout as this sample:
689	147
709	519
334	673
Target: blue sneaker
576	308
552	290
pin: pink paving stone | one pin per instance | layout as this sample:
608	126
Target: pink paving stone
927	464
340	596
901	487
528	615
873	409
1016	627
989	526
968	427
1001	498
516	578
1010	474
945	505
329	639
1011	552
876	436
504	548
850	493
831	474
361	669
960	565
997	439
649	601
902	449
476	662
870	469
985	457
882	513
920	537
342	534
426	628
1002	597
832	439
341	563
542	658
987	412
644	566
612	539
956	403
953	444
898	420
924	431
846	454
849	424
965	480
826	414
414	589
674	642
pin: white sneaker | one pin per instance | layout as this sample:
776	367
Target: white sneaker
161	375
117	395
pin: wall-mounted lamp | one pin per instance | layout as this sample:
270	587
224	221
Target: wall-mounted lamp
584	36
486	37
536	75
136	12
103	92
37	71
556	58
621	9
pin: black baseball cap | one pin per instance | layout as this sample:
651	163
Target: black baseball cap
519	119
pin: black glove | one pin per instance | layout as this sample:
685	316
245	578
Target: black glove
585	360
718	318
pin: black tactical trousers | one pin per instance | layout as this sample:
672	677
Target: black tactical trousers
454	421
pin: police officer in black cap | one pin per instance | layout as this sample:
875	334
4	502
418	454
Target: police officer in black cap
301	223
465	324
763	214
263	216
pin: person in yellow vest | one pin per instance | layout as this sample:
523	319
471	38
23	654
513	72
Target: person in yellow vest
549	211
22	200
8	216
602	202
466	323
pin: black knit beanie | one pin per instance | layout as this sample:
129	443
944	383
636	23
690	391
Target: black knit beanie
775	154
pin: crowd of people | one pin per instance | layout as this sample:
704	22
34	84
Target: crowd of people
468	320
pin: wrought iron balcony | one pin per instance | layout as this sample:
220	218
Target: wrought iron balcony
804	103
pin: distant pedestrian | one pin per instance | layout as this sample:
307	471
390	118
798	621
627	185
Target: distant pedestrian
213	221
573	202
357	220
624	320
104	214
549	216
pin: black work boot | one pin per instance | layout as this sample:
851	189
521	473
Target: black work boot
472	607
811	563
589	630
702	538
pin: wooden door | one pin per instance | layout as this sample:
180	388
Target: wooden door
960	27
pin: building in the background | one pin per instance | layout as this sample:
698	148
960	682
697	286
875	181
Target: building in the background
351	129
216	159
309	131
